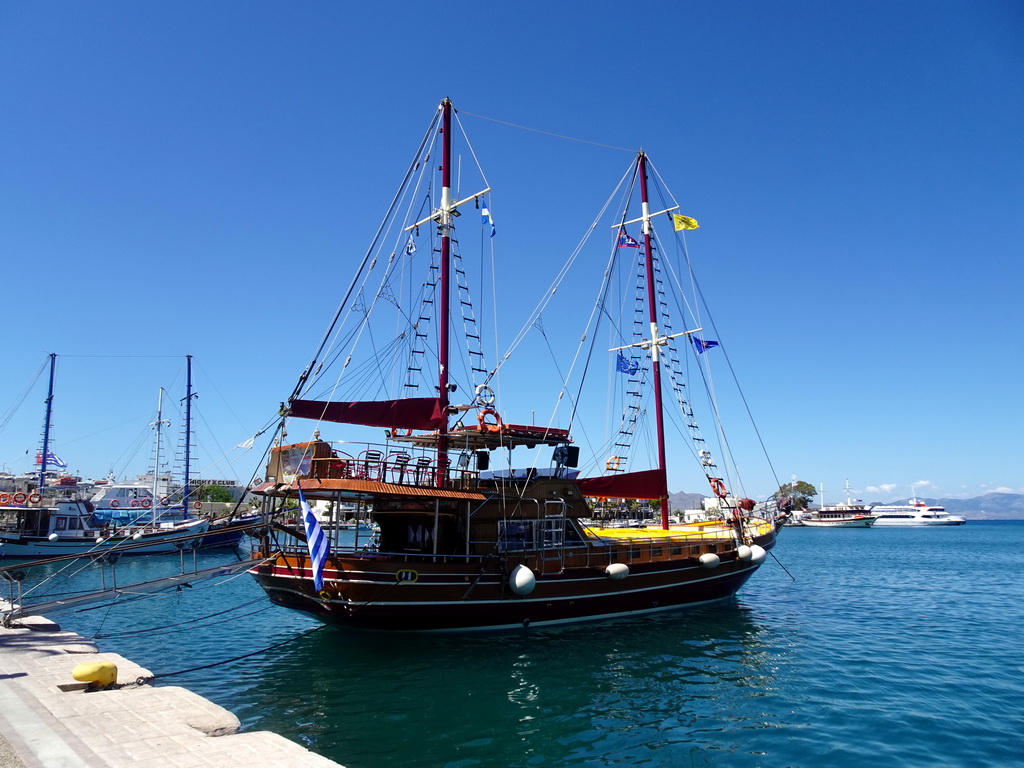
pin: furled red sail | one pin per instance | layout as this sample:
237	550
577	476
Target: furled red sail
410	413
647	484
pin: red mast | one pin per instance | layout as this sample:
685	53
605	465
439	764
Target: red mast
446	244
656	341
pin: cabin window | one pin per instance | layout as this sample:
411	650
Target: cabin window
656	552
61	525
518	535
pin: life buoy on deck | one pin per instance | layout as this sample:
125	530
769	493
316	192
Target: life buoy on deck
34	498
146	503
165	499
19	497
485	426
133	503
114	503
197	505
717	486
5	498
613	463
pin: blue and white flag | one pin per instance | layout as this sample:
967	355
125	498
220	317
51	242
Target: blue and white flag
702	345
488	219
625	241
624	365
52	460
410	247
319	547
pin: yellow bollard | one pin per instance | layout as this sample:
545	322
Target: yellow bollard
101	673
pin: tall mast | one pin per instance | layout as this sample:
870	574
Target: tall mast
188	433
446	240
46	425
656	340
156	452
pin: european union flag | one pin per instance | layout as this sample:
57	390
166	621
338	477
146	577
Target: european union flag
625	241
625	365
316	540
702	345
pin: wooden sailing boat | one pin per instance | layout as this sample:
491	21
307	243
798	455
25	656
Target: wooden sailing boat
464	545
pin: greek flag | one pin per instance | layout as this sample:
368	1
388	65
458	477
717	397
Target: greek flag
52	460
488	219
319	548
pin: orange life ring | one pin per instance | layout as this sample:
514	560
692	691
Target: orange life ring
146	503
613	463
164	500
484	426
114	503
717	486
19	497
34	497
133	503
5	498
197	505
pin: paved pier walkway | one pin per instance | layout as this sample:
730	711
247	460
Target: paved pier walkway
42	726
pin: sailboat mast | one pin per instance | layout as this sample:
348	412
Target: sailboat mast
156	452
446	214
656	341
188	433
46	424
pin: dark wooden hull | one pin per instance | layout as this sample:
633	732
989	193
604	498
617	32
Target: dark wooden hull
406	594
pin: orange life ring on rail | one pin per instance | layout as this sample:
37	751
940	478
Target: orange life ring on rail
5	498
486	427
114	503
613	463
717	486
133	503
197	505
165	499
34	497
19	497
146	503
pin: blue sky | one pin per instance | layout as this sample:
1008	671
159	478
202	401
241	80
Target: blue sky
200	178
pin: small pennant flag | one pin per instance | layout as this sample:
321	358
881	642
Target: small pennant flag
316	540
488	219
702	345
625	241
684	222
410	247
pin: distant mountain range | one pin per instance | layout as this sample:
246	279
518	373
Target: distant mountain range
991	506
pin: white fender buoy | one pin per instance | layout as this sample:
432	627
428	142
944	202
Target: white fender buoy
522	580
53	537
743	552
617	571
757	554
137	535
710	560
99	539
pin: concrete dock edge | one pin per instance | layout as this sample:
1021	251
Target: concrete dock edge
43	726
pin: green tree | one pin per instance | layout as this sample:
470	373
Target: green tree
797	494
214	493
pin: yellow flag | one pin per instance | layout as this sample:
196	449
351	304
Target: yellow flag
684	222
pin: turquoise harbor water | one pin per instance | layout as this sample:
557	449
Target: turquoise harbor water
893	647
